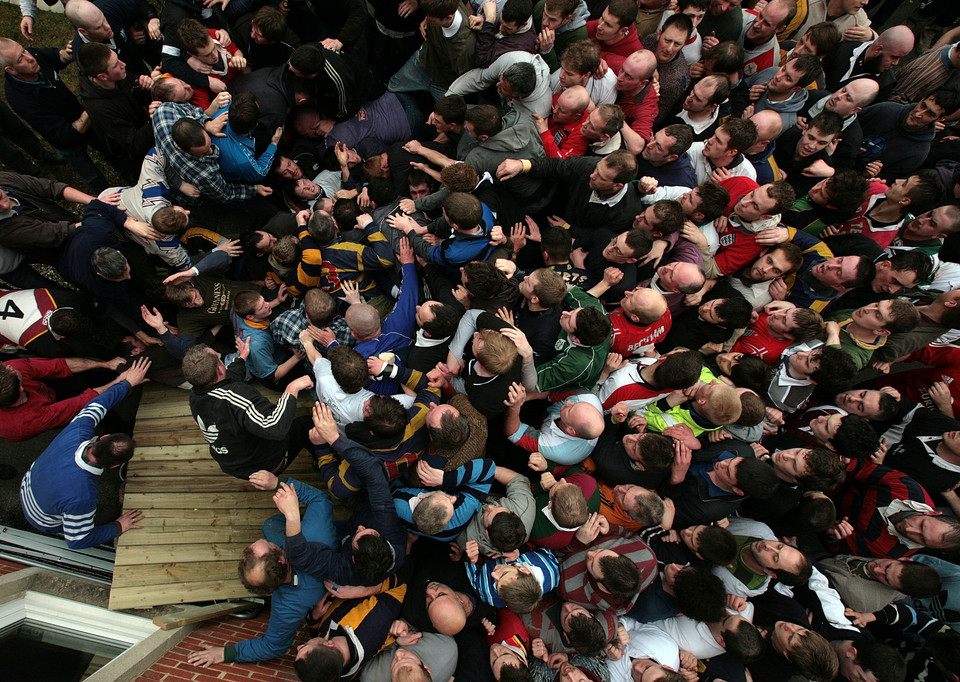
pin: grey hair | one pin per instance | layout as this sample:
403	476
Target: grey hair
109	263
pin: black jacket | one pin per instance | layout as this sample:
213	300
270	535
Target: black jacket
48	105
246	432
119	117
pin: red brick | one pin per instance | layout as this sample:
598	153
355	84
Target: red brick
150	675
174	672
238	674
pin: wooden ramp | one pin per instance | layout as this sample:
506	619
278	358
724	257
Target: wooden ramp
197	518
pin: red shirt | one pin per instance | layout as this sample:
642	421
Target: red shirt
202	96
915	384
640	111
861	223
737	246
634	339
615	55
757	340
42	411
561	141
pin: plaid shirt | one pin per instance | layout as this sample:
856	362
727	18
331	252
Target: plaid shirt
201	171
287	326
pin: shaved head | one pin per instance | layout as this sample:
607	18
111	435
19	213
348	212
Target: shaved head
364	320
586	420
644	61
83	14
897	38
865	90
575	97
769	126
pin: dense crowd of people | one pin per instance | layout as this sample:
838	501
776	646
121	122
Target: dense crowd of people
629	327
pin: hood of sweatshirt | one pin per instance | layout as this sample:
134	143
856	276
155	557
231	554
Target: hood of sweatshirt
580	16
791	105
89	91
922	135
515	137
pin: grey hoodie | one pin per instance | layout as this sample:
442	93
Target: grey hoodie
518	139
788	108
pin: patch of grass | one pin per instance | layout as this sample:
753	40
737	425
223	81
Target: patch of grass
51	30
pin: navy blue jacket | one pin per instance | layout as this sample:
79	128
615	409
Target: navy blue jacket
47	105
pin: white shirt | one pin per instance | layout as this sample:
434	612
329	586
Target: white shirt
646	641
346	407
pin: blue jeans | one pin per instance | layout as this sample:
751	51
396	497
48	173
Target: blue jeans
412	78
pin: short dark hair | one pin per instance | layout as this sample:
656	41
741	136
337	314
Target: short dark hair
883	661
506	532
639	241
804	571
308	60
944	648
947	99
582	57
856	438
246	302
92	58
187	133
244	113
200	365
717	546
113	449
516	11
827	122
522	78
700	595
679	370
847	190
271	22
557	243
808	324
483	280
349	368
726	57
515	673
373	557
656	451
696	4
825	471
756	479
453	108
382	191
714	200
444	322
624	163
824	37
679	20
744	643
927	192
905	316
809	65
681	132
387	418
586	635
783	193
734	312
866	271
751	372
345	213
742	132
836	371
670	214
621	576
167	219
593	327
439	9
321	664
485	119
815	514
613	118
919	580
452	432
322	228
193	35
625	12
463	210
912	261
792	253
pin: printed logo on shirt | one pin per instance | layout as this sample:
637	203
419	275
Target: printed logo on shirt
362	114
728	239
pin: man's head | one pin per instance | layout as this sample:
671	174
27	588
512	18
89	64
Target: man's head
603	122
16	61
705	202
110	264
696	592
459	177
504	529
90	21
797	324
190	137
775	261
728	313
873	405
848	435
718	402
517	586
823	129
765	202
570	105
781	561
101	64
448	428
713	544
734	136
495	352
307	61
773	18
514	15
869	660
932	108
917	193
934	224
640	504
448	114
463	211
615	573
202	366
668	144
613	172
644	306
769	126
437	320
649	451
707	94
636	72
579	63
195	40
363	320
681	277
568	504
852	97
584	629
844	192
263	568
819	40
892	316
445	608
806	650
580	419
913	578
661	218
433	513
810	468
322	659
268	26
482	122
672	36
557	13
845	272
796	74
250	305
544	287
518	81
745	476
930	529
170	89
406	666
724	59
616	22
888	49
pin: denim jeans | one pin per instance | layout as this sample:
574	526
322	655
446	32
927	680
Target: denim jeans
412	78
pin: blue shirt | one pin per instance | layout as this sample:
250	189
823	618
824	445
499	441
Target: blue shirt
702	470
265	356
238	160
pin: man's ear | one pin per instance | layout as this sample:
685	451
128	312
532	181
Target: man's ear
882	332
482	138
694	217
672	158
632	260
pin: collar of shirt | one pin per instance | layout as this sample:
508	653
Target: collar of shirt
424	341
703	471
451	30
612	200
82	461
930	444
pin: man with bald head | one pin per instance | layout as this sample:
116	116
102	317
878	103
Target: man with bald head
638	99
642	320
569	431
108	22
561	134
847	101
872	59
676	280
769	126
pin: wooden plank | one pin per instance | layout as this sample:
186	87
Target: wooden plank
199	518
183	468
160	574
147	554
197	500
144	454
175	593
244	534
172	424
201	484
168	438
165	408
198	614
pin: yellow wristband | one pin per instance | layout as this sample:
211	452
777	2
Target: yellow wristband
527	165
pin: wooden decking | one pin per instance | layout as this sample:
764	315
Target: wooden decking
197	519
